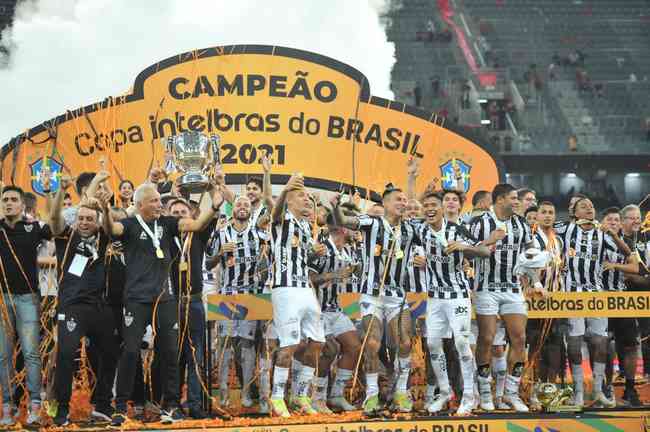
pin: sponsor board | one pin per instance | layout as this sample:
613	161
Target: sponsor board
558	305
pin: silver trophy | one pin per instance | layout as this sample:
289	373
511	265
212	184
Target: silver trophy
193	154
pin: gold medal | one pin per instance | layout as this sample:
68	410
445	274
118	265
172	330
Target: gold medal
159	253
182	266
399	254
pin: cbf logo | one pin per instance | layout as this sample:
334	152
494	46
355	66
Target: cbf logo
40	169
448	173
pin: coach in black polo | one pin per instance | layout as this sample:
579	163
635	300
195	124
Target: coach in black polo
148	239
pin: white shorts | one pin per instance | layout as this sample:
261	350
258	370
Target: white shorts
593	326
448	316
383	308
500	303
296	315
337	323
237	328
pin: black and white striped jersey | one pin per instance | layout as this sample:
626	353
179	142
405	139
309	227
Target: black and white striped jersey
447	275
386	251
552	275
291	245
335	260
257	213
240	270
584	253
496	272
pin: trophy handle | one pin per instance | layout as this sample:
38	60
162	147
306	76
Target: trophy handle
215	142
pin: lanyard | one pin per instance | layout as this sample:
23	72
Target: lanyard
153	235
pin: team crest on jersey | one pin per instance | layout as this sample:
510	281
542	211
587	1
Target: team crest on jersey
29	228
40	169
377	250
128	319
295	241
571	252
143	236
231	261
71	324
448	176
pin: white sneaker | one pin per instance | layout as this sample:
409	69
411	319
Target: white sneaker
601	401
246	401
501	405
341	403
578	400
321	406
264	407
7	418
515	401
485	394
439	403
34	414
466	405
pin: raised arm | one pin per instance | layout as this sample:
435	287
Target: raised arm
340	219
112	228
57	224
220	180
267	190
99	178
198	224
296	182
412	172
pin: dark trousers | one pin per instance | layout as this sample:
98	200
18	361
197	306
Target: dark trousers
136	318
193	334
73	323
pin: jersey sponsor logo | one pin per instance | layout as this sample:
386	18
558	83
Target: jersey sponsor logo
461	310
71	324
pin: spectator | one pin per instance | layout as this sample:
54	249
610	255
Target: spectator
573	143
551	72
435	86
417	94
464	99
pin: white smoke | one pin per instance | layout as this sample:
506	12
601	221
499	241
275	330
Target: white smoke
66	54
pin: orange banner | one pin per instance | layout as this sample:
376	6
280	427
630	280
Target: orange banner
315	115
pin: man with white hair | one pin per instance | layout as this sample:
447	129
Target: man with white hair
147	239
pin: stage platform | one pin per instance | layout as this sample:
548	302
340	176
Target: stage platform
615	420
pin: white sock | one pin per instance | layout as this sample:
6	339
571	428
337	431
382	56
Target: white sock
305	377
467	371
404	372
296	367
224	370
265	378
341	380
439	366
247	368
372	384
280	377
431	391
320	388
599	376
499	369
578	378
512	385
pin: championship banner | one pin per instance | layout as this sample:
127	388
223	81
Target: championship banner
311	113
558	305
